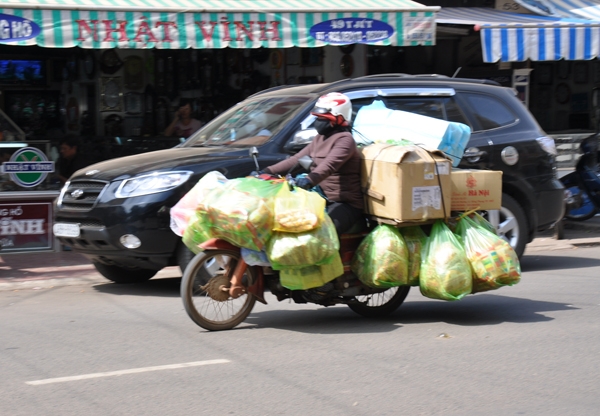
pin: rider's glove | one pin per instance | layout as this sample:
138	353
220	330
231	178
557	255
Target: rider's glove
256	174
304	183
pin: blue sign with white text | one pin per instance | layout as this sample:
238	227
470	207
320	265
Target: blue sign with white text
15	28
349	30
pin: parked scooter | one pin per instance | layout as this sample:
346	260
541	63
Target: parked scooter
219	289
582	186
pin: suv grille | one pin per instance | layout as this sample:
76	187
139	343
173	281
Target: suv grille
81	195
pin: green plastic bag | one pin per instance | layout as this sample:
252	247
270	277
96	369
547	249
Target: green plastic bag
196	233
493	260
310	248
311	276
241	212
415	239
381	259
445	269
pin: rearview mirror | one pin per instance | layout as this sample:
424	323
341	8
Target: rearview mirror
301	139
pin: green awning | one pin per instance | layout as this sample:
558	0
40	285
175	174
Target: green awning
210	24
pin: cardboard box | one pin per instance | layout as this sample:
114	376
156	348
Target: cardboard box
406	183
476	189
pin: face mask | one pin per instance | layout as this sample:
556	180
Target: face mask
323	126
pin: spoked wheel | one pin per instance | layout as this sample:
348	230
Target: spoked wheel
204	290
380	304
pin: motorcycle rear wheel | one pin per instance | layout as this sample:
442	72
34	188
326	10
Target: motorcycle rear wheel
204	302
379	305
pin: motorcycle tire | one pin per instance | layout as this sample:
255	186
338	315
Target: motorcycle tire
204	302
586	211
379	305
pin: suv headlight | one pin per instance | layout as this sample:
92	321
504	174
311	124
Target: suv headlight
152	183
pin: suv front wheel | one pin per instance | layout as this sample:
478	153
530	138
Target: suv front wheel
511	223
124	275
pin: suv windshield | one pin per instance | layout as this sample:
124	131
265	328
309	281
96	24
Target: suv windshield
250	123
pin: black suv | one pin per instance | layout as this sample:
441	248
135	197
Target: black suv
117	212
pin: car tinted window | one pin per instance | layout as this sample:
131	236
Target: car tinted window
444	108
489	112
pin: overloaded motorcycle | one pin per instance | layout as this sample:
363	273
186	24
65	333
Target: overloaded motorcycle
219	289
583	184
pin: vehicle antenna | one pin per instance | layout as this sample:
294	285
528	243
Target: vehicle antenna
456	72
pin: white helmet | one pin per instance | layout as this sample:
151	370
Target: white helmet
334	106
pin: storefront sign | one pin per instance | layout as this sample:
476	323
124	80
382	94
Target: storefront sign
15	28
25	226
142	29
28	167
351	30
167	31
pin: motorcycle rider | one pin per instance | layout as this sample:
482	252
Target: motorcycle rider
336	162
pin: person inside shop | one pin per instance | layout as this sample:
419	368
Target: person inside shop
70	159
336	163
183	125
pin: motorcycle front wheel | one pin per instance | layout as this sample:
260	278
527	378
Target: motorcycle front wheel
587	209
202	292
378	305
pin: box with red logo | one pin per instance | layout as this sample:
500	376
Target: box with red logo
476	189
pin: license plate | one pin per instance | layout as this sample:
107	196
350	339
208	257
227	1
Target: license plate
62	229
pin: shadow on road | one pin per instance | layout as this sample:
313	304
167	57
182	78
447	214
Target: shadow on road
164	287
533	263
477	310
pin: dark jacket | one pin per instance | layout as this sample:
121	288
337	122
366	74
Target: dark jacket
336	167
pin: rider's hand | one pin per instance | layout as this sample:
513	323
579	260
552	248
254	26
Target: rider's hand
256	173
304	183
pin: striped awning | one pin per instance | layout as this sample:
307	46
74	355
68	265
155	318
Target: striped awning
512	37
203	24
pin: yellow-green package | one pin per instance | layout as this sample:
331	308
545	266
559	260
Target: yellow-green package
311	276
381	259
493	260
415	239
310	248
445	269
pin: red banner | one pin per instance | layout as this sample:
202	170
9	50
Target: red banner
25	226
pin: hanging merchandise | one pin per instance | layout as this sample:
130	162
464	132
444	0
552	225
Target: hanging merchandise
381	259
445	269
494	262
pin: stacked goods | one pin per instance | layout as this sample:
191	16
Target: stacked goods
415	239
445	269
494	262
405	183
288	230
474	189
377	123
381	260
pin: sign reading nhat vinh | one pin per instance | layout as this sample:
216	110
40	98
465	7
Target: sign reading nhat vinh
168	30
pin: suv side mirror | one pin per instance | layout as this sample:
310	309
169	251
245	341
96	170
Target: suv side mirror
300	140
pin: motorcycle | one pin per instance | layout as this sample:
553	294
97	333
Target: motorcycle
582	186
219	289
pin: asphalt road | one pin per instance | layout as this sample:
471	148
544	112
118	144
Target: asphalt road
106	349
